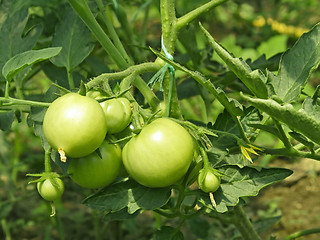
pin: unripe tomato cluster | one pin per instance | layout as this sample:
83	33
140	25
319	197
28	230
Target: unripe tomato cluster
77	125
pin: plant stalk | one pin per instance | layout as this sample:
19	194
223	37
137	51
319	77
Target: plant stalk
70	79
113	34
169	37
192	15
283	138
205	159
302	233
47	165
82	9
14	101
243	224
291	153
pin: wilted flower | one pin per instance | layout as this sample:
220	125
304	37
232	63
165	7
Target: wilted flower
246	150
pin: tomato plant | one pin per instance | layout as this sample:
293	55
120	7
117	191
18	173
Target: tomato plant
197	112
160	154
75	124
51	189
93	171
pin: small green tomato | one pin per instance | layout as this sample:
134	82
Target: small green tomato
51	189
208	181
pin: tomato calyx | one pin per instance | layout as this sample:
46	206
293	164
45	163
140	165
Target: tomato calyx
43	176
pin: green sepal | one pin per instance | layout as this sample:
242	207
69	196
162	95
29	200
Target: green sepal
43	176
83	89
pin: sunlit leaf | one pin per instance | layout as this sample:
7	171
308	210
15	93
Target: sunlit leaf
296	66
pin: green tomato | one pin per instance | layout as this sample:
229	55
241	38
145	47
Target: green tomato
208	181
160	154
93	171
75	124
51	189
118	114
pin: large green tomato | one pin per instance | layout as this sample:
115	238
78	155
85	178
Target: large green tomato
160	155
75	124
118	114
51	189
93	171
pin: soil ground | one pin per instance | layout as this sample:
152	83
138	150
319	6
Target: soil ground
297	199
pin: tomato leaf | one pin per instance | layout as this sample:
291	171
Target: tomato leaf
128	194
254	80
122	214
59	75
296	66
312	107
200	227
301	120
6	119
302	139
74	38
22	60
13	39
242	182
268	128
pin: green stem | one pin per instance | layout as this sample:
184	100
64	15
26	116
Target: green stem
14	101
47	158
138	69
189	17
6	229
16	156
181	195
70	79
168	22
18	89
240	128
147	93
157	218
129	36
169	37
113	34
283	138
205	159
243	224
6	93
83	10
291	153
144	30
302	233
129	76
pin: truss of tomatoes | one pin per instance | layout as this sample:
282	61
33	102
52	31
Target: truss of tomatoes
158	156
